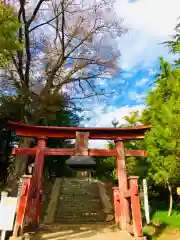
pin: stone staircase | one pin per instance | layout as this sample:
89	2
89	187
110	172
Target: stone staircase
79	202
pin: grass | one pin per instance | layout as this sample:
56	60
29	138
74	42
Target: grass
162	226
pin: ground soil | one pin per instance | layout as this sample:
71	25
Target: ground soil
81	232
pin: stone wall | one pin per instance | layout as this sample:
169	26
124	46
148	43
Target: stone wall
106	195
54	198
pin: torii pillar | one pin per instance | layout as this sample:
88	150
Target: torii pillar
123	185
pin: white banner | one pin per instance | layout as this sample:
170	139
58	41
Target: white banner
7	213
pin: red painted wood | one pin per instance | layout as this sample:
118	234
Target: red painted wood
135	153
71	151
22	206
122	181
136	211
24	151
70	132
102	152
35	193
127	193
81	147
59	151
116	198
91	152
66	152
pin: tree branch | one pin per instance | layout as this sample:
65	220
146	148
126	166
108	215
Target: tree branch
62	29
74	32
27	45
88	96
44	23
19	53
35	13
16	83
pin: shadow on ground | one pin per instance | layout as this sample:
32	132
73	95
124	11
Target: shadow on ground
154	230
66	232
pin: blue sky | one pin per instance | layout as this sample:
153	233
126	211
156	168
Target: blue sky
151	22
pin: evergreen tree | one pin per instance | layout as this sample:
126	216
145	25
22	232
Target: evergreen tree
162	142
9	25
174	43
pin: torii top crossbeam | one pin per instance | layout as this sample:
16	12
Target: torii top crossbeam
70	132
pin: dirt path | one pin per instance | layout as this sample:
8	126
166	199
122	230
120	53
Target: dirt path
81	232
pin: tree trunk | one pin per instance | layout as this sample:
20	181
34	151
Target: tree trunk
18	169
170	199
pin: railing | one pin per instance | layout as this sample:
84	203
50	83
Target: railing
121	219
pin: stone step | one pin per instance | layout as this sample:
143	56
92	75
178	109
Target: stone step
79	220
101	216
81	210
79	206
74	199
74	212
95	217
79	195
79	202
82	213
76	190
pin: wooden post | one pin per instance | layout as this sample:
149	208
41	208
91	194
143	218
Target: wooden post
116	198
39	160
123	186
22	205
81	143
146	203
32	215
38	173
136	211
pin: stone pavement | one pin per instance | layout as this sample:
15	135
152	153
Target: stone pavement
81	232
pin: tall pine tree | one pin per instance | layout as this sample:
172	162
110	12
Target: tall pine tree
162	142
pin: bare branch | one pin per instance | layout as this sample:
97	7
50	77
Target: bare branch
81	37
62	29
89	96
19	53
27	45
35	12
45	23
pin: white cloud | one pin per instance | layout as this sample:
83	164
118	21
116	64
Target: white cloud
151	22
138	97
102	117
152	72
127	75
142	82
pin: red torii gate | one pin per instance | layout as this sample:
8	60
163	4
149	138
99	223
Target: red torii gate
31	193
